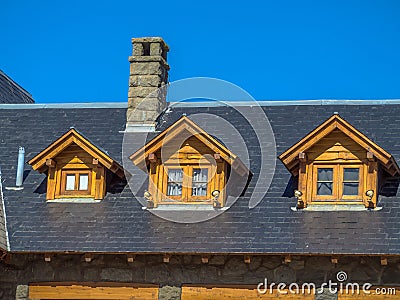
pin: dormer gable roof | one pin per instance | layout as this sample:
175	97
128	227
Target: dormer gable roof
179	127
72	136
290	158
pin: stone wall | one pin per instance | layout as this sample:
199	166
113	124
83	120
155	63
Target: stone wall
19	270
147	81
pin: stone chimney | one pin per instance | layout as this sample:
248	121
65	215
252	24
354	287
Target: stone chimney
147	83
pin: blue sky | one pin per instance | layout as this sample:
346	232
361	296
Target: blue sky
77	51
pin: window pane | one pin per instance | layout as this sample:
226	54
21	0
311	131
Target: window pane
174	187
325	174
351	174
325	181
350	189
70	182
199	182
199	189
83	182
324	188
200	175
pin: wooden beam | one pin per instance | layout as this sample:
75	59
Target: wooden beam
370	156
166	258
204	259
247	259
287	259
152	157
384	261
302	157
88	257
50	163
130	258
217	157
47	257
334	260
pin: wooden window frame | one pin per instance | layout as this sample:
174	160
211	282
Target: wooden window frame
187	185
338	181
172	197
76	192
207	197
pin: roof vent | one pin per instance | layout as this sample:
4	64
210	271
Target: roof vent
20	170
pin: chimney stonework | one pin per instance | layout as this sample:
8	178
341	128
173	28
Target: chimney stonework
147	83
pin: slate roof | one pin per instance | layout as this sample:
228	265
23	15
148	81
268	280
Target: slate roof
11	92
119	224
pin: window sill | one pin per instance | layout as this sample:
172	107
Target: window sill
73	200
336	207
185	207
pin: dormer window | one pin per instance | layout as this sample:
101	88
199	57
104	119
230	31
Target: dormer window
189	183
337	182
76	182
337	164
186	165
75	168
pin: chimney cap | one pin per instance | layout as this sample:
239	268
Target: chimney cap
155	39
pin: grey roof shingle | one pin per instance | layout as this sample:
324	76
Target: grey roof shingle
118	223
11	92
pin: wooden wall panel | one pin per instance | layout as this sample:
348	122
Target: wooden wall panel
383	294
92	292
235	293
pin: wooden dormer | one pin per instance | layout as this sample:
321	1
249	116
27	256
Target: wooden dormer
186	165
75	168
336	163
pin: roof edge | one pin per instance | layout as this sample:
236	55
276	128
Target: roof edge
206	103
65	105
287	102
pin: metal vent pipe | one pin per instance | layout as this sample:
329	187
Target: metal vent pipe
20	167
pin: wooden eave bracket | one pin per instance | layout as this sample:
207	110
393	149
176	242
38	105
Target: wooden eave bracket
152	157
205	259
88	257
370	156
166	258
302	157
50	163
130	258
217	157
287	259
384	261
48	257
